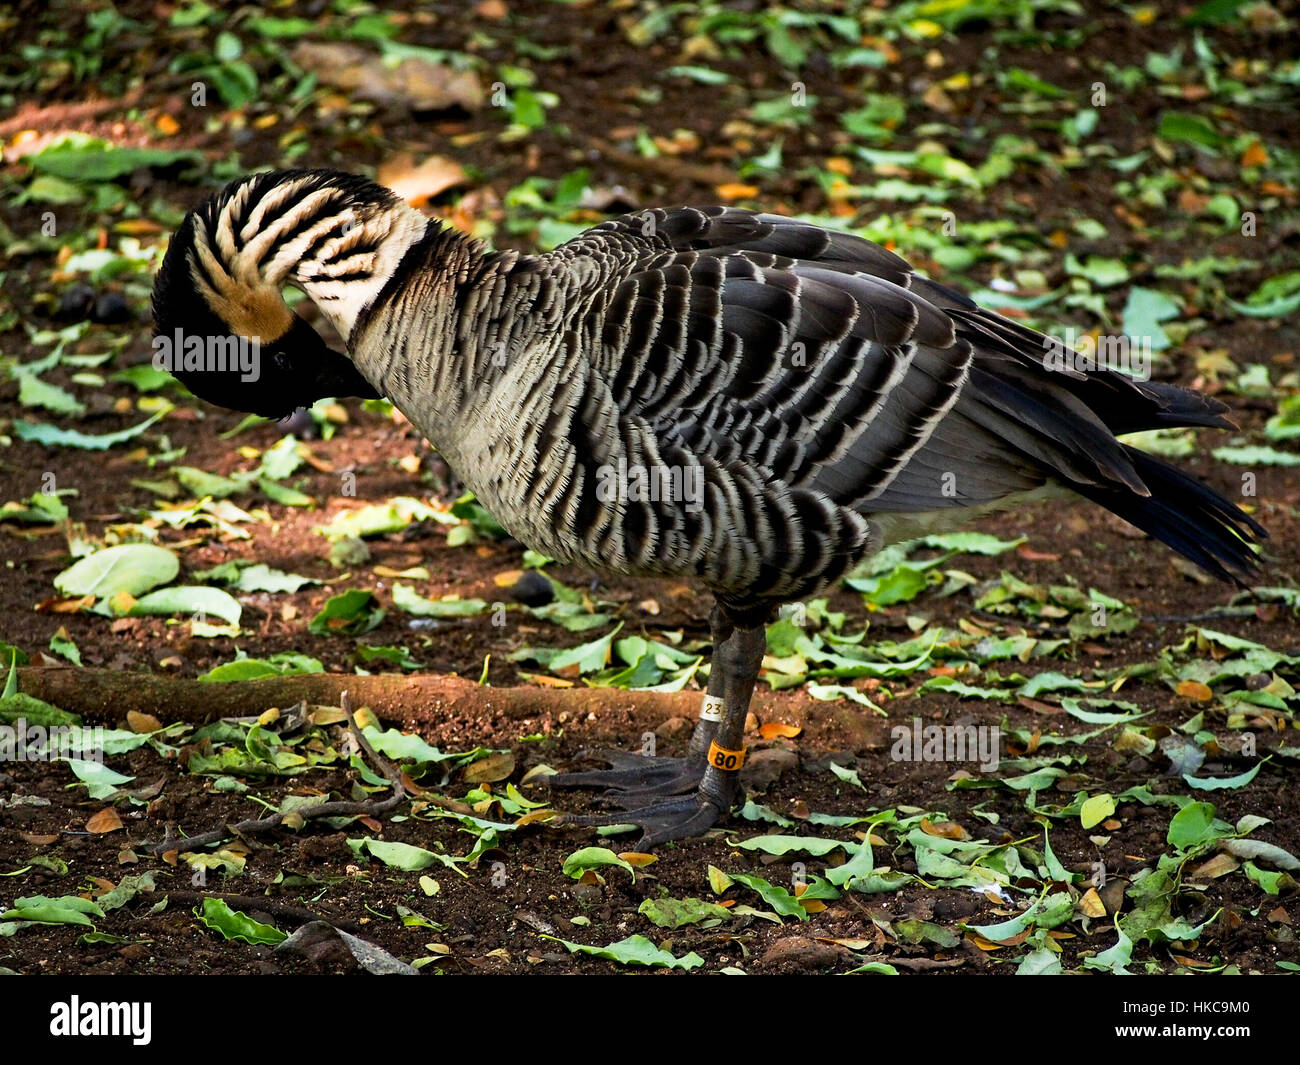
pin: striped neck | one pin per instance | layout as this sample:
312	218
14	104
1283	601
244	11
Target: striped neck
336	236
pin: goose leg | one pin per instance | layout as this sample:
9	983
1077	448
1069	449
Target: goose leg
634	778
736	662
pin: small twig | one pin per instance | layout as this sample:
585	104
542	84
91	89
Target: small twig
325	809
263	824
394	775
385	767
286	910
1209	615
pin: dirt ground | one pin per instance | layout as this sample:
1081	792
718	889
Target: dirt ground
508	909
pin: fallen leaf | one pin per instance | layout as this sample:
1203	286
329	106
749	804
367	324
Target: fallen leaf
943	829
104	821
417	184
771	730
1195	690
736	191
494	767
1091	904
140	723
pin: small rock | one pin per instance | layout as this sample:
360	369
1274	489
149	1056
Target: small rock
75	303
672	727
763	767
110	308
588	893
1112	895
800	952
532	589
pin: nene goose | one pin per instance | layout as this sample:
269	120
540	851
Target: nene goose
817	397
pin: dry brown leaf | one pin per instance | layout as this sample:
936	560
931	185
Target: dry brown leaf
638	858
534	816
104	821
64	605
943	829
1091	904
1254	155
494	767
543	681
771	730
736	191
1220	865
414	84
416	183
140	723
1195	690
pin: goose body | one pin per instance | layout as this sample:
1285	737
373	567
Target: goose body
747	400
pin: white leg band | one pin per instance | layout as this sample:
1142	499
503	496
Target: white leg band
711	708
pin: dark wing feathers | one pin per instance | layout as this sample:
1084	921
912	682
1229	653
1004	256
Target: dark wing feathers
821	359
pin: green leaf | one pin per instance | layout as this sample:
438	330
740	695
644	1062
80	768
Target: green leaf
34	392
200	483
38	508
68	909
1256	455
1194	824
373	520
101	782
191	599
679	913
780	900
635	950
398	656
396	744
257	577
780	845
144	377
1223	783
912	930
1180	126
1100	271
64	645
53	436
406	598
971	543
1041	962
402	855
232	924
1116	958
1145	310
900	585
16	705
130	568
1096	809
587	858
77	157
351	613
278	665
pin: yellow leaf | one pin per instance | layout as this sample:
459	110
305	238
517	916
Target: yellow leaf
1091	904
736	191
718	880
